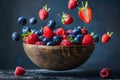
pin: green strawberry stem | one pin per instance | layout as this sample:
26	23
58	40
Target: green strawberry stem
46	8
110	34
92	34
84	6
70	39
25	35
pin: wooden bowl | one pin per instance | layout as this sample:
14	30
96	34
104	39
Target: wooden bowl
58	57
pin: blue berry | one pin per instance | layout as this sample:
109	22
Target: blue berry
16	36
57	39
51	24
79	36
76	31
33	21
22	21
96	38
41	37
26	29
50	43
39	32
45	40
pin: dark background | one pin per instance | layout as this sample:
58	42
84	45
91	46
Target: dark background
106	17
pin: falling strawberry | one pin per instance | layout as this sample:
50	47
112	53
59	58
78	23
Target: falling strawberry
106	37
85	13
88	39
43	13
66	19
72	4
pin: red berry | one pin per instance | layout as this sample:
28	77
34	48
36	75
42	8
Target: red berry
39	43
31	39
64	36
67	19
87	40
43	13
69	31
72	4
66	42
48	32
106	37
105	73
84	31
60	32
19	71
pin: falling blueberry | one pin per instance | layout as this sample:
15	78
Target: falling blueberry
51	24
26	29
96	38
33	21
22	21
16	36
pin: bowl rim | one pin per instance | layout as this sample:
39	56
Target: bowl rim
59	46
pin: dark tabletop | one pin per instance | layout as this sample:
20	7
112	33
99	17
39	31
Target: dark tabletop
43	74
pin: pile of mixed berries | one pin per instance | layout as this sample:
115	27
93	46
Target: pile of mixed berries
50	36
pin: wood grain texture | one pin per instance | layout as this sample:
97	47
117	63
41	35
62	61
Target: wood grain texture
58	57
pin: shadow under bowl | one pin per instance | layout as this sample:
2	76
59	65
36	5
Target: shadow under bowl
58	57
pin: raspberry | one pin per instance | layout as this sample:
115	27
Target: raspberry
84	31
48	32
66	42
19	71
60	32
32	38
105	73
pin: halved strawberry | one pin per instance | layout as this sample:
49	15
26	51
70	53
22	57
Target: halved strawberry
72	4
43	13
85	13
106	37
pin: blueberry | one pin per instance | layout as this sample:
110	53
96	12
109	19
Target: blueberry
16	36
71	36
26	29
41	37
51	24
76	40
79	36
45	40
96	38
39	32
22	21
33	21
50	43
76	31
57	39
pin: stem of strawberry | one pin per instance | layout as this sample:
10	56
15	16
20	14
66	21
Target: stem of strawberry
46	7
110	34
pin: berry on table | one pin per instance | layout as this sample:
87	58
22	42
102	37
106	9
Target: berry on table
105	73
19	71
16	36
22	21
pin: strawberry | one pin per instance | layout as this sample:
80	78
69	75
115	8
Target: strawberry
87	40
106	37
43	13
66	19
85	13
105	73
31	38
19	71
60	32
72	4
48	32
84	31
66	42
